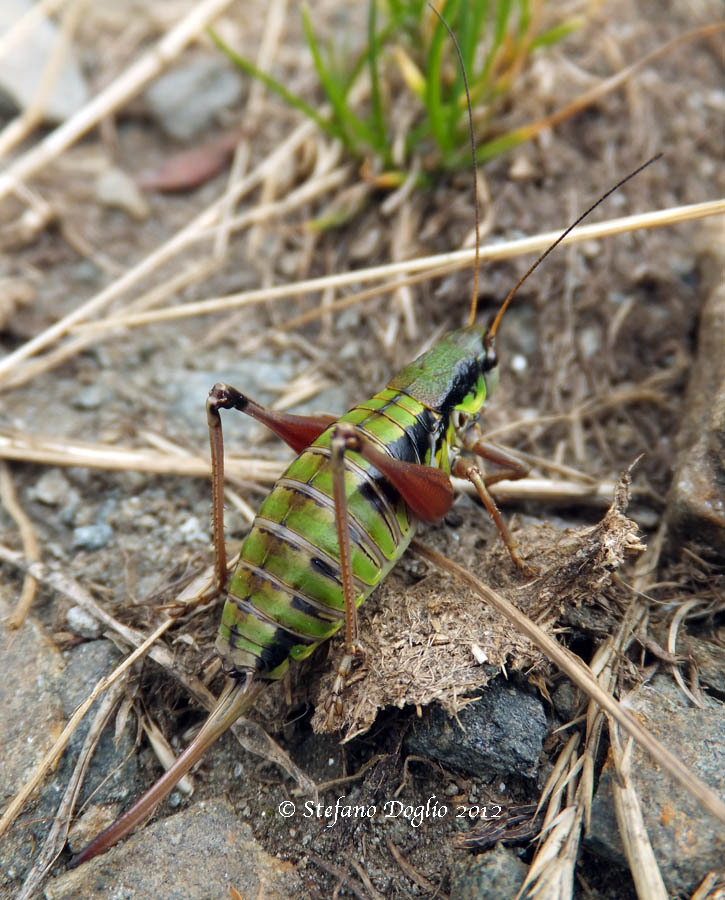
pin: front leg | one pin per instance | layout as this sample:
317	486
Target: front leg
513	469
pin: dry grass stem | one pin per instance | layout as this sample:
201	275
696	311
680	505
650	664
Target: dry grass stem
53	451
191	274
29	539
56	838
415	876
268	48
53	755
604	666
167	446
429	267
68	452
373	892
165	752
640	856
680	615
255	739
342	876
588	98
712	887
580	674
547	490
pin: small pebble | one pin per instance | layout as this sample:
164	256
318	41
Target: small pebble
114	188
186	100
192	531
81	622
89	398
86	272
519	363
51	488
590	342
92	537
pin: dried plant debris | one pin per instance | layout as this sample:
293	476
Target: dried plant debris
435	641
696	502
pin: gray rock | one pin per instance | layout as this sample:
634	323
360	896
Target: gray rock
502	733
21	68
92	537
52	488
113	768
31	717
197	854
31	668
686	840
81	622
90	397
186	100
566	699
490	876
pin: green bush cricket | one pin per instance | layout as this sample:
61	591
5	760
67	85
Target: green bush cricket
341	516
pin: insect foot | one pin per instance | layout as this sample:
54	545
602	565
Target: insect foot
334	705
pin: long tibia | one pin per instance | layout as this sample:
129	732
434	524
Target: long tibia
234	700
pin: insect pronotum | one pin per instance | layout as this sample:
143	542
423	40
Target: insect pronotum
342	515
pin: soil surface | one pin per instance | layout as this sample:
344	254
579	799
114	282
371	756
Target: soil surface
595	354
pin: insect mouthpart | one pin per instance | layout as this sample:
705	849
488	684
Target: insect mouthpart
460	419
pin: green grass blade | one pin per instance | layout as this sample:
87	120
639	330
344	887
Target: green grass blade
439	113
472	18
350	125
386	33
502	144
556	34
276	86
377	114
524	19
503	14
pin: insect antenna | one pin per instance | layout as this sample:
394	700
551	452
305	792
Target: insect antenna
491	334
512	293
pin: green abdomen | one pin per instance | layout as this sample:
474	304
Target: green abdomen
285	596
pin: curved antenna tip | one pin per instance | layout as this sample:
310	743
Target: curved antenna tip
512	293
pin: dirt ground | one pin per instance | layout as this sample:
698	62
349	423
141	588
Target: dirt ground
595	356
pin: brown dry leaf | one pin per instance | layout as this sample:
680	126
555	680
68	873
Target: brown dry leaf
191	168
